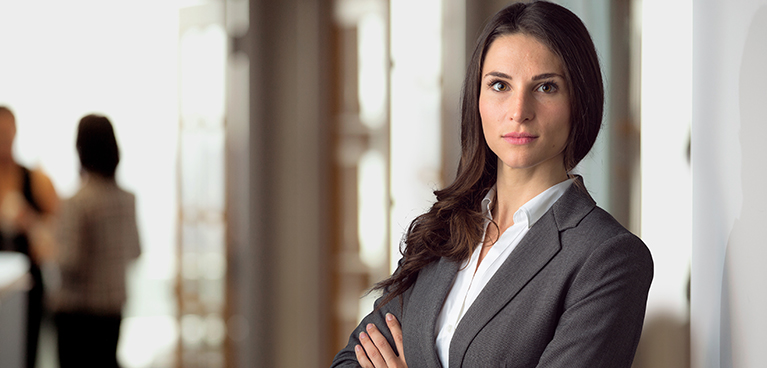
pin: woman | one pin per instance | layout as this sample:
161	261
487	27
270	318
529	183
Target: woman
98	237
515	265
28	202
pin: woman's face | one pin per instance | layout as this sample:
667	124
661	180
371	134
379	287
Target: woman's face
524	104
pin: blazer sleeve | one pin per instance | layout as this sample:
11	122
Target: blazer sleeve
347	357
604	309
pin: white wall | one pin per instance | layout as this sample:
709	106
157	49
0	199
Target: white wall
729	277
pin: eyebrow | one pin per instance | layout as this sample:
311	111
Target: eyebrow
535	78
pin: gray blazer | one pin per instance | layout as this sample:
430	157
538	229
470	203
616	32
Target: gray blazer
572	294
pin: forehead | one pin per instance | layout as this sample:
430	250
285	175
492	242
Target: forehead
521	53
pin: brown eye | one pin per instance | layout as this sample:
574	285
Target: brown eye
499	86
548	87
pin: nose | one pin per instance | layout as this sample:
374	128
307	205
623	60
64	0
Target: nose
520	107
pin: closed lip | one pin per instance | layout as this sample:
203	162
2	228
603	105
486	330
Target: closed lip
519	138
519	135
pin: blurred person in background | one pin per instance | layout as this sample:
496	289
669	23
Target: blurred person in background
28	202
97	238
515	265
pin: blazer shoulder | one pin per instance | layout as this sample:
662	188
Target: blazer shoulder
600	233
602	221
583	226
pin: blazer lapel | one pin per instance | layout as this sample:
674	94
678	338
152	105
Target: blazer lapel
533	253
429	293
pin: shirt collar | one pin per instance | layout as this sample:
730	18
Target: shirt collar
534	209
487	202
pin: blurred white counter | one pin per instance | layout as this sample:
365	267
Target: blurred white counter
14	283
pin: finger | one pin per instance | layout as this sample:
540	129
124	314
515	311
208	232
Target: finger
390	358
374	355
362	358
396	332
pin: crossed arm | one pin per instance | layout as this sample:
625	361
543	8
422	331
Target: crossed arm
377	340
375	351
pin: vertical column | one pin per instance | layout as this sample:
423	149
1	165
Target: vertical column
288	214
729	279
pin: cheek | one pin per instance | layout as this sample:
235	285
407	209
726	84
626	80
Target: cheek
482	106
483	115
565	141
564	123
487	114
564	137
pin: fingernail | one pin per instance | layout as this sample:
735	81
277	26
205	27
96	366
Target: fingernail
358	348
370	327
389	317
363	336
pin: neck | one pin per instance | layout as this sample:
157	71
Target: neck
86	175
515	187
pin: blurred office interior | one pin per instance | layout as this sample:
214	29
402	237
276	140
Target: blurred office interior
279	150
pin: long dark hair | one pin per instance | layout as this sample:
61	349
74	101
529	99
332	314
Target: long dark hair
452	228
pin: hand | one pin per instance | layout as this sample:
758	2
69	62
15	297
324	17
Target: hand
375	351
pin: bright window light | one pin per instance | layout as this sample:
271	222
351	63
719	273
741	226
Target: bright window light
666	176
416	134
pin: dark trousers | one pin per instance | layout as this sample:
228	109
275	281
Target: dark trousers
87	340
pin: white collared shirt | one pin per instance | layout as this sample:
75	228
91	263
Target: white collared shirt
468	283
